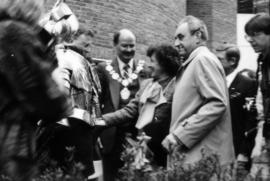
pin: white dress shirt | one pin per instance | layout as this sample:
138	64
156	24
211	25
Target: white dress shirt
231	77
122	65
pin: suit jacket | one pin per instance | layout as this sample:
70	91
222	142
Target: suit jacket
200	109
243	121
264	82
110	102
158	128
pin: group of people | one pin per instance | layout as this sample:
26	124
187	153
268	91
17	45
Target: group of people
59	108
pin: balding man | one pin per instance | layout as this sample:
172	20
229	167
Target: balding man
200	108
119	81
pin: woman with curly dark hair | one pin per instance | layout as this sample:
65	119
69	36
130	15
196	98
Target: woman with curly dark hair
151	108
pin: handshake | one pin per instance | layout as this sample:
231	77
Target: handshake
100	122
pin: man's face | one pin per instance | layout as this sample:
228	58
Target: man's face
154	67
184	41
84	41
260	42
125	49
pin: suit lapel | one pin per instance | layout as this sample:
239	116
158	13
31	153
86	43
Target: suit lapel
235	90
135	62
115	86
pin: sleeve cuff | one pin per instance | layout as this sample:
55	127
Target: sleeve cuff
179	142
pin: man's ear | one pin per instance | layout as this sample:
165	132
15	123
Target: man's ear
198	35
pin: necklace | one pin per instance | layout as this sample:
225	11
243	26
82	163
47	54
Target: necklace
124	93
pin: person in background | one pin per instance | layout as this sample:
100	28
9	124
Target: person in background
200	107
258	35
151	107
119	82
242	91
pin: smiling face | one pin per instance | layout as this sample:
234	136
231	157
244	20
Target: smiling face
156	70
185	42
125	48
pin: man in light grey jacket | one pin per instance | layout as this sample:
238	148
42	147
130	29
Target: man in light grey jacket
200	109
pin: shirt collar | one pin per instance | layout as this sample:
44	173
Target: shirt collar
231	77
193	54
122	64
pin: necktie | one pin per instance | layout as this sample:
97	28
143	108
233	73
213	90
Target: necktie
125	71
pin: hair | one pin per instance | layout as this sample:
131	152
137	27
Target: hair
28	11
195	25
83	31
167	57
231	51
21	50
259	23
117	34
82	45
116	37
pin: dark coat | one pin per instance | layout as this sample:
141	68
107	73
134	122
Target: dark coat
112	139
264	70
110	101
243	121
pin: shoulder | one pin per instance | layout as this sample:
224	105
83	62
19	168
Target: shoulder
207	57
101	66
68	58
248	74
207	62
247	78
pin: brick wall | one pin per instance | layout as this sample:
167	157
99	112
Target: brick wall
219	16
245	6
151	21
261	6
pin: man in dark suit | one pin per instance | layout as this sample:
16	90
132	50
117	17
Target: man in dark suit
119	82
242	90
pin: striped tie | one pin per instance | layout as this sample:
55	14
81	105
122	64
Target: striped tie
125	71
